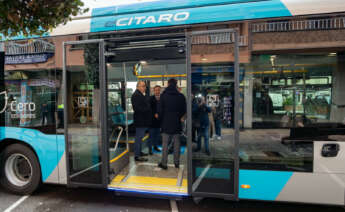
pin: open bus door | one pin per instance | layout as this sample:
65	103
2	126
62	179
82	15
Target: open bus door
213	88
117	117
85	113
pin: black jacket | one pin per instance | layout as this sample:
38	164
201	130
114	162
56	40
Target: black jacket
142	110
171	109
156	123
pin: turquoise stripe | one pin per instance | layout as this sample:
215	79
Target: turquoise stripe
229	12
162	5
264	185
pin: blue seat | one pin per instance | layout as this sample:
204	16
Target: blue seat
118	116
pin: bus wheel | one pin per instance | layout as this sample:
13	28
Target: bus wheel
20	171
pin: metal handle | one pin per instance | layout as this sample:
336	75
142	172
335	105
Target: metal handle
118	137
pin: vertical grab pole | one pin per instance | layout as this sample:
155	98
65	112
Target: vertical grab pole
126	106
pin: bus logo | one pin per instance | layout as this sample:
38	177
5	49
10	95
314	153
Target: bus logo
21	109
149	20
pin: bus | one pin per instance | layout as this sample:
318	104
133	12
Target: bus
271	72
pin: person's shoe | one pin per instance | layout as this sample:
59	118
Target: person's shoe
143	154
156	149
150	152
140	159
208	153
219	138
177	165
162	166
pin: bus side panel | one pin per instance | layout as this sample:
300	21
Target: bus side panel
59	174
326	185
314	188
262	185
329	164
62	163
308	7
45	147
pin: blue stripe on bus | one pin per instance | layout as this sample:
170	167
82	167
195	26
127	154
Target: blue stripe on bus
264	185
45	146
230	12
151	6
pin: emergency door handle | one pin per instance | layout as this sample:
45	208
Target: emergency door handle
330	150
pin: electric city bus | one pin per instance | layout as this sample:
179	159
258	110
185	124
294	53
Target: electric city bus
270	71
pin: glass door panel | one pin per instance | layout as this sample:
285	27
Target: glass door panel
213	114
83	68
118	121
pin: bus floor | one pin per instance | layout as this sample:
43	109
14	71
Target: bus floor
147	176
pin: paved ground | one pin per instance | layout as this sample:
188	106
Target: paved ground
60	198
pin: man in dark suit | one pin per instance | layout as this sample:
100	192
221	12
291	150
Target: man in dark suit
155	129
142	118
172	109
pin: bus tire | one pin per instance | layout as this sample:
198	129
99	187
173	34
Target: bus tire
20	171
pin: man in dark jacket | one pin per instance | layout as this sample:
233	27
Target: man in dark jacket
155	129
172	109
142	118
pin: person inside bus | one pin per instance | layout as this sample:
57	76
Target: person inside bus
202	110
155	128
142	118
172	109
218	117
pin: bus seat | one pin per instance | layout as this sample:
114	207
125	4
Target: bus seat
118	116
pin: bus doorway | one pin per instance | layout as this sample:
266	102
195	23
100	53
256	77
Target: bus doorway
154	62
99	125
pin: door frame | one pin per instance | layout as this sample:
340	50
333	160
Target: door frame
103	123
189	36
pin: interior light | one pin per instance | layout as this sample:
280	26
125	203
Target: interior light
143	62
333	54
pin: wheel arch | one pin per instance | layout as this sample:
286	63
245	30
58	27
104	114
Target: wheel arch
10	141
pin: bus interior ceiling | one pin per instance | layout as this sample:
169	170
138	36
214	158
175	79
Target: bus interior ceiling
155	62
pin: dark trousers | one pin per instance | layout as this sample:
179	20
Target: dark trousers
154	137
194	133
203	132
218	126
60	117
44	117
139	135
